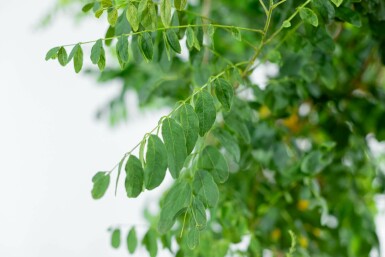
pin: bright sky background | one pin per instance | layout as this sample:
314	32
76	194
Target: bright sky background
51	145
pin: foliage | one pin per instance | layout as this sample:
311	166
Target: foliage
285	164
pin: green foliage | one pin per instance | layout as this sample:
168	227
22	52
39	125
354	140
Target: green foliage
285	163
101	181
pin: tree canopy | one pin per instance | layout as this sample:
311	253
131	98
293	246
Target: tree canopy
285	164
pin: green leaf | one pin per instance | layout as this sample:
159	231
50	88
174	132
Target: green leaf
62	56
120	166
307	15
175	203
110	33
112	17
314	162
205	109
193	238
142	5
106	3
101	181
238	126
115	238
99	13
173	40
52	53
150	242
134	176
229	143
337	2
190	124
236	33
175	142
199	213
87	7
77	55
156	162
146	46
224	92
286	24
167	46
165	12
211	31
348	15
132	240
96	51
205	188
102	60
122	50
190	35
212	160
180	4
132	16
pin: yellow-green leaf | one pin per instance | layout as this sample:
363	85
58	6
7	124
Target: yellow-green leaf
225	93
165	12
132	16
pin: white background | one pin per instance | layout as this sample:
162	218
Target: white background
51	145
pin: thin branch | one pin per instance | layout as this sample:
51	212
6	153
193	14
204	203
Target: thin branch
171	27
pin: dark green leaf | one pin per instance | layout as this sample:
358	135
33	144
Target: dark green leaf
205	110
52	53
205	188
110	33
165	12
101	181
224	92
175	203
348	15
173	40
132	240
146	46
190	124
134	176
156	162
175	142
115	238
122	50
96	51
132	16
212	160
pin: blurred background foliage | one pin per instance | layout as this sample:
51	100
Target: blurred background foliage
297	147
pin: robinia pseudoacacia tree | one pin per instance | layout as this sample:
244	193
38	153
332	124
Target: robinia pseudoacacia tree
284	166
